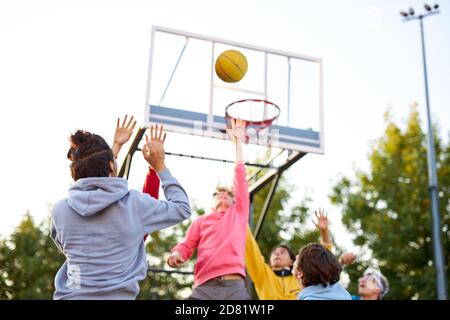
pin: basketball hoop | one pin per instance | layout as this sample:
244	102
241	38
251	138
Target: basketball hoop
257	113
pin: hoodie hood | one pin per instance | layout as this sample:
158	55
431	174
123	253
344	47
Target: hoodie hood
319	292
91	195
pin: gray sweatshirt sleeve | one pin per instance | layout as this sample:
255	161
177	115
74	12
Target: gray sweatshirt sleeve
160	214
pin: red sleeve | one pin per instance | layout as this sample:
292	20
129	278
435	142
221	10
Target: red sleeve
151	186
188	245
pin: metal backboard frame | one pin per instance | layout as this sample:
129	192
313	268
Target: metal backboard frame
212	125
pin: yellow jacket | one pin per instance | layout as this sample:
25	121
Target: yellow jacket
267	284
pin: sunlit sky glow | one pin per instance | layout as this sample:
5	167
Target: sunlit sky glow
66	65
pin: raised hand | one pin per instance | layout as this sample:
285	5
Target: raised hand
124	131
237	130
175	260
153	149
122	134
157	134
237	134
322	226
322	220
347	258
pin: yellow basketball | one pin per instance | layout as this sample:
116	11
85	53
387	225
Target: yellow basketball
231	66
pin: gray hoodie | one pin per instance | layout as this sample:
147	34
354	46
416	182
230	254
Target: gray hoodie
100	228
319	292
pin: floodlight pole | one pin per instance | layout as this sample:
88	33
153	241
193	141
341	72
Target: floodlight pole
441	282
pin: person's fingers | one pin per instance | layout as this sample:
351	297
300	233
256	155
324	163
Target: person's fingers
164	137
152	128
124	120
315	224
160	133
134	124
130	122
155	132
118	123
315	212
146	139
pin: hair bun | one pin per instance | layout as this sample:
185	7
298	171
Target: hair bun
79	138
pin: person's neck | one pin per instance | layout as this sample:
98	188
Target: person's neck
281	268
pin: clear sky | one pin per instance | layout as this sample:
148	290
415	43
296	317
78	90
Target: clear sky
66	65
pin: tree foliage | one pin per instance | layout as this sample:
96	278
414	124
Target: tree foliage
388	209
29	261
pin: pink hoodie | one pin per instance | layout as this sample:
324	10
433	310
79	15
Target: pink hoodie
220	236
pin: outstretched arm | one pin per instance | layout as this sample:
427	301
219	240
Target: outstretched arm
322	226
122	134
240	188
153	149
237	133
157	214
256	267
152	182
184	250
151	186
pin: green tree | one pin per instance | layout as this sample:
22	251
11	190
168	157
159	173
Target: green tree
283	225
28	262
388	209
167	285
29	259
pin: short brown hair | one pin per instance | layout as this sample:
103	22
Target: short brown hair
318	265
90	155
224	189
291	254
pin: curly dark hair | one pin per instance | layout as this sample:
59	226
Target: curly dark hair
90	155
318	265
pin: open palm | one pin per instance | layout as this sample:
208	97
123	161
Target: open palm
322	220
237	130
124	131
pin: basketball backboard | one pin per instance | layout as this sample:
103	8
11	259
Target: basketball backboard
186	96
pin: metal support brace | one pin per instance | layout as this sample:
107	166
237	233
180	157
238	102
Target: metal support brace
270	175
124	171
266	207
